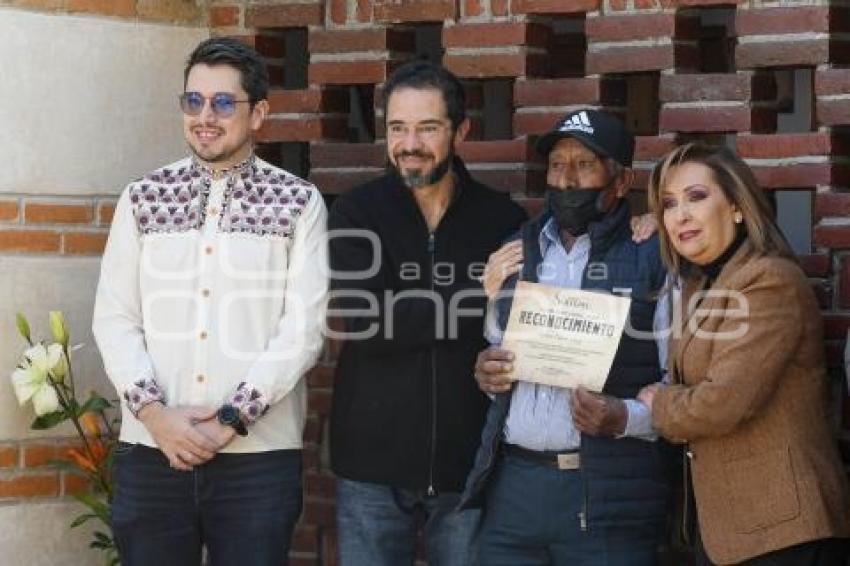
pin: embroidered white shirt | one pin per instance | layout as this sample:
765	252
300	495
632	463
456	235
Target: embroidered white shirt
215	291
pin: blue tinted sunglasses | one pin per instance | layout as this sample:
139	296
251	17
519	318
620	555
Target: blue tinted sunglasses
223	104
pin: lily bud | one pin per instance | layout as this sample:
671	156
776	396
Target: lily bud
59	328
23	326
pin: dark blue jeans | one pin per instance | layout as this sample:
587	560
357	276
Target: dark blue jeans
377	526
531	518
242	507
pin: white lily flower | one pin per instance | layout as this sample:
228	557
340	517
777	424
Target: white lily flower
60	368
45	401
31	381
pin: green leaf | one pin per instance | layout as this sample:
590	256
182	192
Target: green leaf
73	406
98	506
23	327
82	519
103	539
90	500
95	403
49	420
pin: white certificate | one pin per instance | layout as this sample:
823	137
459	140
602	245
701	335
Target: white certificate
564	337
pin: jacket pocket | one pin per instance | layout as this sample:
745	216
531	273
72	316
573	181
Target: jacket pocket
761	491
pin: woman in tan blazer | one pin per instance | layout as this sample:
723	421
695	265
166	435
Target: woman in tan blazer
747	391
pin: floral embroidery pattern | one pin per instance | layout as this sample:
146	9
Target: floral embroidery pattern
249	401
267	204
170	200
230	171
144	392
258	200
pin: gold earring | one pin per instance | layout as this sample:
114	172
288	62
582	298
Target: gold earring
738	217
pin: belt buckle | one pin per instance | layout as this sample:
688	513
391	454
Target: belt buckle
569	461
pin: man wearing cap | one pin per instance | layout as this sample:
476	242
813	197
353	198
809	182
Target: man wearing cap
568	476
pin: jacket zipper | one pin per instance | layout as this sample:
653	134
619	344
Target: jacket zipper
432	252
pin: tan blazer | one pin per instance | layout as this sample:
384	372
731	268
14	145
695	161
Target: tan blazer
752	404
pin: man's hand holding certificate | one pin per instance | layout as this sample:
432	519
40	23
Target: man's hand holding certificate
564	337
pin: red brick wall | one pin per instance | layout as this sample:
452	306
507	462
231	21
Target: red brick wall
54	225
25	473
177	11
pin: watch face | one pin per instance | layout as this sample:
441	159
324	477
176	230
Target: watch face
228	415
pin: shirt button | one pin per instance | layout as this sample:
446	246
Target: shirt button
209	250
200	378
213	211
205	292
203	335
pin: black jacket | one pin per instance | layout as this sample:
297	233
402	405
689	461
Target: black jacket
407	411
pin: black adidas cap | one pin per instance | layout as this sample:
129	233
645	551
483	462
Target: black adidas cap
600	131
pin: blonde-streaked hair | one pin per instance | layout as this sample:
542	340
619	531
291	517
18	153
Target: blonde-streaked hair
740	187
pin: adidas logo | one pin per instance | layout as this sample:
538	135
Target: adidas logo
577	122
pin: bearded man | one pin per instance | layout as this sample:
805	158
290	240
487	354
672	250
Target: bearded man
408	251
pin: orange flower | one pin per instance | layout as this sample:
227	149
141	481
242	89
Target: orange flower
90	424
81	460
86	463
98	448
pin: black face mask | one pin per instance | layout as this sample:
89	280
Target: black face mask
575	209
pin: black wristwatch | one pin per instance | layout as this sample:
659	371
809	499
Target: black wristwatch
228	415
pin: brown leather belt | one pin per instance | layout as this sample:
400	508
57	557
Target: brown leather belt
566	460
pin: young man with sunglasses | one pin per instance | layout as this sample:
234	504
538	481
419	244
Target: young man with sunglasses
209	311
